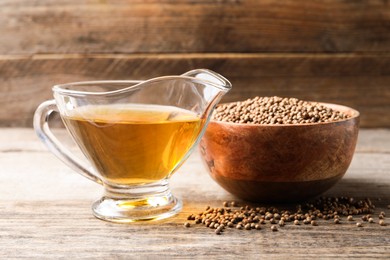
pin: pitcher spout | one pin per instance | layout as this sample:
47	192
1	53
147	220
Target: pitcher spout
216	80
215	87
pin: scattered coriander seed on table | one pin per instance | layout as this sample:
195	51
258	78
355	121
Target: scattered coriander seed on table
274	228
248	217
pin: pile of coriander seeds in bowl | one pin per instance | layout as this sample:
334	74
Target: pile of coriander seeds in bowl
274	149
276	110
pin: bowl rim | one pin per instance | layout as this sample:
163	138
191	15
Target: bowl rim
354	114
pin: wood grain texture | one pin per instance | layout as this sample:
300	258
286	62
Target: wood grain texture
29	27
45	212
360	81
329	51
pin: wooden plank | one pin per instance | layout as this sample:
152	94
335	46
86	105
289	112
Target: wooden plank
28	27
45	213
357	80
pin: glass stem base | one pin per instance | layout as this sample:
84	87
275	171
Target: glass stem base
125	204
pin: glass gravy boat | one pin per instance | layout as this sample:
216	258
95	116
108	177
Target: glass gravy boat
134	134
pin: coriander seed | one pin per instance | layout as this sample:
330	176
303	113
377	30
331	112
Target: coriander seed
359	224
382	222
274	228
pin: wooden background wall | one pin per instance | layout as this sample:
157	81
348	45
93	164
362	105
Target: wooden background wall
324	50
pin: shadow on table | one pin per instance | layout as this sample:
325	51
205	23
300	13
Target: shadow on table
361	188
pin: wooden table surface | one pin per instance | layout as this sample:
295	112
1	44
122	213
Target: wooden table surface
45	212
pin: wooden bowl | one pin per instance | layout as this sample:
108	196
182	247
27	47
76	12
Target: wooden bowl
280	163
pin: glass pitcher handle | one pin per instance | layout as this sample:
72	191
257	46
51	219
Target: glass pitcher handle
41	126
